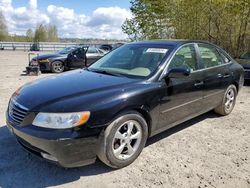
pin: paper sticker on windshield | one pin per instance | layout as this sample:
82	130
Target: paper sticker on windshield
157	50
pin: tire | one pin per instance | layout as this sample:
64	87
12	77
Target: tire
57	67
115	142
228	102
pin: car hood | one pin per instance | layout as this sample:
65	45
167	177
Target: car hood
48	56
44	92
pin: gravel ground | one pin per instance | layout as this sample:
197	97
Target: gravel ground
208	151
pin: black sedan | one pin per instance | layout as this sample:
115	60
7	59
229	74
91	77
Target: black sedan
109	109
68	58
244	60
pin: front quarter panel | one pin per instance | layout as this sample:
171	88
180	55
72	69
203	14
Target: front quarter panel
142	97
106	105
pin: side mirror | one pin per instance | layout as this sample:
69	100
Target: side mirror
179	72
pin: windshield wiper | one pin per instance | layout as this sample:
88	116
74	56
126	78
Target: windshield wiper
106	72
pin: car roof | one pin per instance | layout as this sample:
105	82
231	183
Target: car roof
172	42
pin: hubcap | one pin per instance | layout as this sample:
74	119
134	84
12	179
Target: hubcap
127	139
230	97
58	66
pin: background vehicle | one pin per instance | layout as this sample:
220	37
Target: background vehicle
35	47
244	60
106	47
93	54
111	108
68	58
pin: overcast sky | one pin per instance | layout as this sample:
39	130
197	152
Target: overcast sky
73	18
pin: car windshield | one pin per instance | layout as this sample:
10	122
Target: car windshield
132	60
67	50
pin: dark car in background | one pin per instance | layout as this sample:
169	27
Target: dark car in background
244	60
111	108
35	46
109	47
68	58
106	47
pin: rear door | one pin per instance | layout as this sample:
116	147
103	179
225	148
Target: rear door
217	76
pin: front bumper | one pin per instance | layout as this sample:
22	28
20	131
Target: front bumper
67	152
44	66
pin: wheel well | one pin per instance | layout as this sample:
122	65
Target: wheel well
236	85
142	112
146	116
57	60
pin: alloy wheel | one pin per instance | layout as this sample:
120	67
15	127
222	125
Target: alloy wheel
230	97
58	66
127	139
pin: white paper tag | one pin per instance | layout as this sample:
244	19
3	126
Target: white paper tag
157	50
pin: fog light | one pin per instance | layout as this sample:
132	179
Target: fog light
49	157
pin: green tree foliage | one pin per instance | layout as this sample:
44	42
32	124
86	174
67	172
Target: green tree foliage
52	35
131	28
223	22
29	35
40	34
46	33
3	28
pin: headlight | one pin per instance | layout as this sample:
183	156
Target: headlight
61	120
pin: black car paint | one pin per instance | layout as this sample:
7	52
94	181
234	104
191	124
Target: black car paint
163	101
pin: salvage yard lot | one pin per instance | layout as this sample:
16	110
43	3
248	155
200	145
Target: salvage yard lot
208	151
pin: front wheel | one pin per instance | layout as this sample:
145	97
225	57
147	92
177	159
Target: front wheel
57	67
228	102
123	140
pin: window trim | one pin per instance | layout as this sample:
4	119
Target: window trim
217	49
165	69
192	50
223	53
212	47
199	63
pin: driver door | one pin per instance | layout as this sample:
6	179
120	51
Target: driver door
182	98
77	58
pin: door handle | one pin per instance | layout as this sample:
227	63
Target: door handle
226	75
219	75
199	83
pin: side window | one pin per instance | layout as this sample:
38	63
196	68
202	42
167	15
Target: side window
100	52
185	57
92	51
77	53
224	57
209	56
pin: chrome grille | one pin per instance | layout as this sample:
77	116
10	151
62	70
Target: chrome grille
17	112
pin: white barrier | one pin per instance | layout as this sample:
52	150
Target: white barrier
44	46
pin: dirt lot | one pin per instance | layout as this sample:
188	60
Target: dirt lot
208	151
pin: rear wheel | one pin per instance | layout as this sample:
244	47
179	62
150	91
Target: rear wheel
228	101
57	67
123	140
